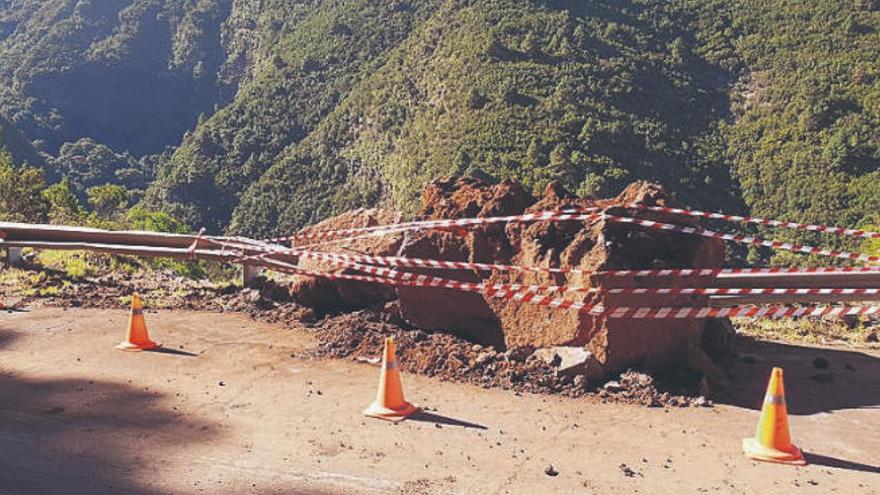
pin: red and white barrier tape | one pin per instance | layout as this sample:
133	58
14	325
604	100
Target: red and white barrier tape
742	291
555	216
787	246
570	214
711	272
357	262
548	216
508	291
761	221
195	244
407	262
406	279
514	293
741	311
517	292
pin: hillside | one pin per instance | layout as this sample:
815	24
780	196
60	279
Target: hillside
14	142
301	73
602	95
592	96
279	114
133	74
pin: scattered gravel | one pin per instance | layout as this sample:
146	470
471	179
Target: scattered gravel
360	335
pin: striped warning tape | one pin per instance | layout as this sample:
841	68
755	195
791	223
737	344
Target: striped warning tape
710	272
555	216
509	291
742	291
406	279
787	246
741	311
570	213
528	294
548	216
512	293
357	262
407	262
761	221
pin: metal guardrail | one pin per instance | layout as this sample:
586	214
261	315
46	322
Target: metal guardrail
14	236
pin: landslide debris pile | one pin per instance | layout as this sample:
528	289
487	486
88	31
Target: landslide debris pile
360	335
586	247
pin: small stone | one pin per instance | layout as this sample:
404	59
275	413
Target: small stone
702	401
252	296
821	363
629	473
551	471
613	386
485	357
222	384
476	348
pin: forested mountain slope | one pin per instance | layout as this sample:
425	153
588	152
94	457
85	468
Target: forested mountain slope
783	94
594	94
132	74
805	141
280	113
17	145
321	51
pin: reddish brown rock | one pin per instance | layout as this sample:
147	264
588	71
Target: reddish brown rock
325	294
590	246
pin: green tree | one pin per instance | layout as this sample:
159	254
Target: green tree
155	221
107	201
20	192
63	205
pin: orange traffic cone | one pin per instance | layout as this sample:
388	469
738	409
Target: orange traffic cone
390	403
137	338
772	442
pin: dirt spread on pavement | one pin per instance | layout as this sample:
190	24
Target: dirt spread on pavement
360	336
231	406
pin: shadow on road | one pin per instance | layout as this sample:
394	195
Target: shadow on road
173	352
834	462
850	381
80	436
428	417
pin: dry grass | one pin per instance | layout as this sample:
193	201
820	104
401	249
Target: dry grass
812	331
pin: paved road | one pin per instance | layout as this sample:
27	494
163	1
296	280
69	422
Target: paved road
228	410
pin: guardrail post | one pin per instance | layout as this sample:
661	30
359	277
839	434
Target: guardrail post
249	274
13	256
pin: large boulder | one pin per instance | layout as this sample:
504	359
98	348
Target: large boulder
324	294
590	246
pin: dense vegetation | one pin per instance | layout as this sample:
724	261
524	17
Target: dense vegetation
309	62
281	113
589	94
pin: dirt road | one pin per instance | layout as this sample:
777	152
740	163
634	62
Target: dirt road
228	410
